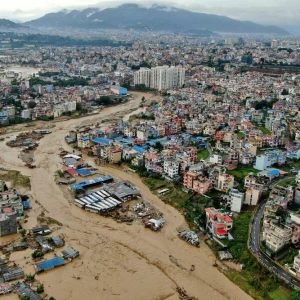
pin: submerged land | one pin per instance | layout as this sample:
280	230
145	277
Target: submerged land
117	261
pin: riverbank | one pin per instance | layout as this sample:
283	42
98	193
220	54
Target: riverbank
117	261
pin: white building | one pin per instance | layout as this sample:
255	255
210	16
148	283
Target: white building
276	235
269	158
26	114
160	78
274	44
298	177
143	76
171	168
216	159
236	200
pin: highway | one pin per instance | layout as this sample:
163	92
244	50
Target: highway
261	256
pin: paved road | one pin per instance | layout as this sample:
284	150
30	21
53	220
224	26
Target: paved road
261	256
278	180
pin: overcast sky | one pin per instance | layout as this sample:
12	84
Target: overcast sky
279	12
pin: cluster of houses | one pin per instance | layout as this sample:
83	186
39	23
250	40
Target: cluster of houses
12	206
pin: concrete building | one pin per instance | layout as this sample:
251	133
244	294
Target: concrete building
194	180
253	194
8	223
297	195
276	235
26	114
216	159
236	200
143	76
225	182
217	223
269	158
119	90
84	142
171	168
160	78
114	155
274	44
297	264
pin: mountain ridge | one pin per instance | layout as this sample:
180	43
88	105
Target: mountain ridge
7	24
156	18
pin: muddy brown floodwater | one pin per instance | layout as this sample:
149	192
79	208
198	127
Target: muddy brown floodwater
117	261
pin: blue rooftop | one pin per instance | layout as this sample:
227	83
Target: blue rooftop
49	264
81	185
139	149
274	172
26	204
85	138
99	140
83	172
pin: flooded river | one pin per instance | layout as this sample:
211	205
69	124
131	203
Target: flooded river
117	261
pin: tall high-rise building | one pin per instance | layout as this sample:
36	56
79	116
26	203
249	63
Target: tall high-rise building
160	78
142	76
274	44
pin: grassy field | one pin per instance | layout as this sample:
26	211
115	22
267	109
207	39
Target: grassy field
294	163
241	172
264	130
203	154
288	181
16	179
175	197
282	293
289	257
241	135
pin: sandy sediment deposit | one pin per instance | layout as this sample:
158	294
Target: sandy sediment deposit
117	261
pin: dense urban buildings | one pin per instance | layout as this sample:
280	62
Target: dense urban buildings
210	124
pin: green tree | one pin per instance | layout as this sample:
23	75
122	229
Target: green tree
31	104
295	295
159	146
104	100
284	92
40	289
30	277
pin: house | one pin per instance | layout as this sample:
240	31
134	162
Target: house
8	222
236	200
194	180
293	152
84	142
70	253
216	159
171	167
296	265
119	90
253	193
269	158
114	155
297	195
225	182
276	235
44	244
282	195
218	223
